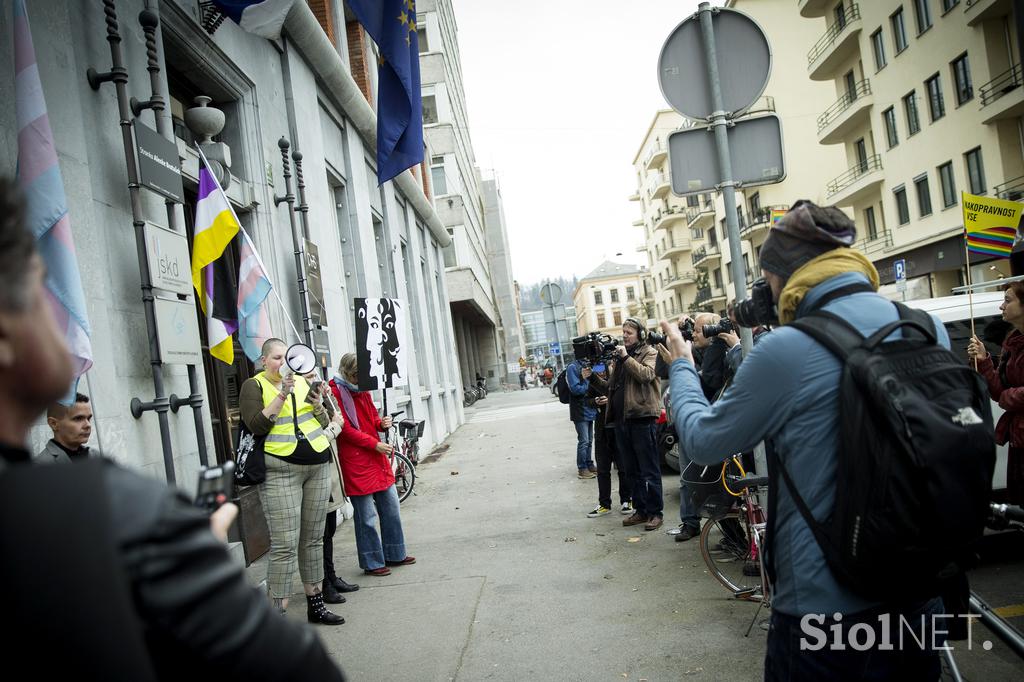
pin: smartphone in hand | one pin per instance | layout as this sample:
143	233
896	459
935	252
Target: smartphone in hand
216	486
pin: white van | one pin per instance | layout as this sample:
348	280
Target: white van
955	312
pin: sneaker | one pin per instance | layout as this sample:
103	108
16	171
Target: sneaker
627	508
599	511
586	473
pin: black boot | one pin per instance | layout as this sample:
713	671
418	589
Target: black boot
343	586
331	594
316	612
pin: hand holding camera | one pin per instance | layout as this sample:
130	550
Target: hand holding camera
676	344
586	373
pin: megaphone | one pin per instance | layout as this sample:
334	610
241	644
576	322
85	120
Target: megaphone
300	358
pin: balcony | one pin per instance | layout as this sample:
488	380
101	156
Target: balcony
848	112
706	255
676	247
702	216
977	11
1002	97
709	295
664	219
655	156
658	184
1011	190
759	222
856	183
834	49
874	244
812	9
681	280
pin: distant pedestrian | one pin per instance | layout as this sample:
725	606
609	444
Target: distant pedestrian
522	380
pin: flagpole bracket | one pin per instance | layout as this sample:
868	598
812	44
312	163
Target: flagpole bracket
194	400
96	79
138	408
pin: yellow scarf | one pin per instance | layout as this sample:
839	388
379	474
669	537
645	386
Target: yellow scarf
816	271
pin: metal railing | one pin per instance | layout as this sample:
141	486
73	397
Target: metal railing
838	184
832	34
861	89
703	296
655	150
1000	85
873	244
761	216
1011	190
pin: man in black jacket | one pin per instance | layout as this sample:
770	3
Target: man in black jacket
112	575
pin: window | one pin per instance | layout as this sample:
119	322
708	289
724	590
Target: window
421	40
949	4
924	195
437	176
962	79
948	184
600	321
429	109
878	48
755	203
630	294
712	238
693	201
615	295
899	31
936	107
869	220
717	277
617	318
975	171
851	86
910	107
923	13
598	299
902	208
889	117
696	233
839	12
861	150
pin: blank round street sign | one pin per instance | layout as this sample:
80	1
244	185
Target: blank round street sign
551	293
744	63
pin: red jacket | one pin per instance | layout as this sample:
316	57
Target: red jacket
1010	397
365	470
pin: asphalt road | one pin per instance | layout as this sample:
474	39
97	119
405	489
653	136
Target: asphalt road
514	582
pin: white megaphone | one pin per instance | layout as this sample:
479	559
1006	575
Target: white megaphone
300	358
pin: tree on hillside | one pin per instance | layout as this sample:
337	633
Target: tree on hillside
529	294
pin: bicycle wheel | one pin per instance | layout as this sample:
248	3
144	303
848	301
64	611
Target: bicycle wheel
725	545
405	475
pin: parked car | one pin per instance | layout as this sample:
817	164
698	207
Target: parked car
955	313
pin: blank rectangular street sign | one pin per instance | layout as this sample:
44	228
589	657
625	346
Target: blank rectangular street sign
755	149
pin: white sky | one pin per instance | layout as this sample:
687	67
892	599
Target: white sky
559	96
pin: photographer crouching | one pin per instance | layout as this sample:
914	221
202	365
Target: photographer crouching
633	406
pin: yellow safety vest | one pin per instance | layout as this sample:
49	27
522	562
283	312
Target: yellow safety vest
281	440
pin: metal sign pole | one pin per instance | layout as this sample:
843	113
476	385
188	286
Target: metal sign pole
719	121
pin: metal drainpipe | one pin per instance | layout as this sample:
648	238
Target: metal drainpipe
119	75
150	20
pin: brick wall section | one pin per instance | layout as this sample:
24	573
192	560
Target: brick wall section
357	58
322	12
425	173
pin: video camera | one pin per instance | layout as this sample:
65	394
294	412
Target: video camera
594	348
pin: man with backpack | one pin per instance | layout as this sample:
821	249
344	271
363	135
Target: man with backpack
572	385
880	454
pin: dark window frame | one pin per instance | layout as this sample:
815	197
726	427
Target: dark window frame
924	198
936	103
892	136
902	205
899	31
947	183
962	85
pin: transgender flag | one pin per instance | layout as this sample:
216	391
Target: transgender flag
47	208
215	227
253	288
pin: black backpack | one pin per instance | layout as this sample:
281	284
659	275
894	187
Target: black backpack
915	460
562	387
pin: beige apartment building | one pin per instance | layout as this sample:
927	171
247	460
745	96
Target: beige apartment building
685	237
927	103
608	295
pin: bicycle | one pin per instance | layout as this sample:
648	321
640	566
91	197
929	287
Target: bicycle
732	542
405	455
468	397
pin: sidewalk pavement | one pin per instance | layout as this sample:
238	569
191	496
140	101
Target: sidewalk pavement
513	581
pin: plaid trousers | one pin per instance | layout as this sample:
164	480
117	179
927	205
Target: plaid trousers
294	498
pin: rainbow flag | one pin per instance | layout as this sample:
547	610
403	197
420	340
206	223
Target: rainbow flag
776	215
990	225
215	227
39	178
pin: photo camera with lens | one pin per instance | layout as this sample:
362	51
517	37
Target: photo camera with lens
686	328
759	309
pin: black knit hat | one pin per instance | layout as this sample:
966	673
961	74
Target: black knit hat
804	233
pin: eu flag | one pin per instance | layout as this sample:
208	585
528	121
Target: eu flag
392	25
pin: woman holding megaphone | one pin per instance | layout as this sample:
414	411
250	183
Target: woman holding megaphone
290	414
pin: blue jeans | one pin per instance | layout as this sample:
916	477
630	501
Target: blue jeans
584	437
687	512
638	446
785	660
368	508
